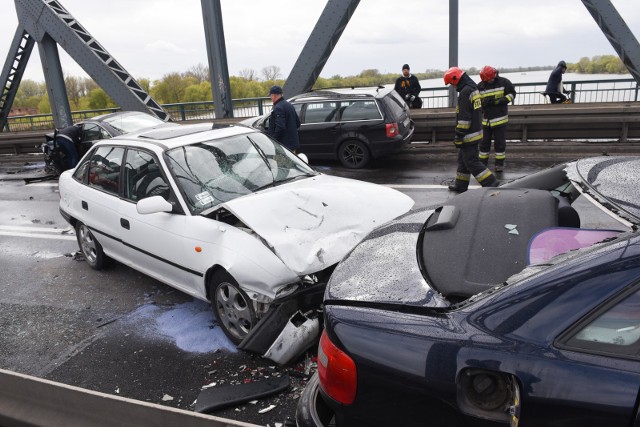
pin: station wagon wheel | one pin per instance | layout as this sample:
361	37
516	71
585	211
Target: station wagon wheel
353	154
232	306
90	247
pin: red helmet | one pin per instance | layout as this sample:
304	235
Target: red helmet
452	76
488	73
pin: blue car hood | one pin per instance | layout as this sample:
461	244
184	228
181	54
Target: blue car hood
612	182
383	268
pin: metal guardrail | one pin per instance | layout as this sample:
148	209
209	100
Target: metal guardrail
613	122
617	122
29	401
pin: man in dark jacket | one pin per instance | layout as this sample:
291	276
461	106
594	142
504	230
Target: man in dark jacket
496	93
468	132
68	139
284	122
555	90
408	87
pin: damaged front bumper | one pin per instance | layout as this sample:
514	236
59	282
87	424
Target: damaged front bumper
290	326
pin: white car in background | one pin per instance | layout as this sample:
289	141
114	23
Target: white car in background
224	214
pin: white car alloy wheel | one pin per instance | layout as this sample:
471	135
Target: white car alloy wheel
232	306
90	247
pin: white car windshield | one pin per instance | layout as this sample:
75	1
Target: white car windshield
214	172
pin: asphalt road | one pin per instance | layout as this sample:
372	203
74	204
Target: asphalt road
120	332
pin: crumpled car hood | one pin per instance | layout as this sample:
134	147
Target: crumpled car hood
612	182
313	223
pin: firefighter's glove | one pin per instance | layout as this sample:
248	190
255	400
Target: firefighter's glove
487	101
502	101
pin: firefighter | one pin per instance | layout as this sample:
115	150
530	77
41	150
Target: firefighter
496	93
468	132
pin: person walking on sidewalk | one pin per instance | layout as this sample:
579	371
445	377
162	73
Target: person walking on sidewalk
495	93
468	132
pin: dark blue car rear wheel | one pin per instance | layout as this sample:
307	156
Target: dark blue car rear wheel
353	154
312	410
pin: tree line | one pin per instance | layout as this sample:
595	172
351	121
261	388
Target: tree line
194	86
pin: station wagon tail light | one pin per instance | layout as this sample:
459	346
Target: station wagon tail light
337	372
392	130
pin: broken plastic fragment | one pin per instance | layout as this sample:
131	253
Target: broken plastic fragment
209	386
267	409
512	228
166	398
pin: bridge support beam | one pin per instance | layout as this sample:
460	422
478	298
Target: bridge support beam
54	79
617	32
321	42
453	46
12	72
217	54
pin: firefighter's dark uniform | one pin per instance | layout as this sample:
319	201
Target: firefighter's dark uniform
468	136
496	96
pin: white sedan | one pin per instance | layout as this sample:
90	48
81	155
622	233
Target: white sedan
224	214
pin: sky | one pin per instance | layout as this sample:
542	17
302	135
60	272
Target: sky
151	38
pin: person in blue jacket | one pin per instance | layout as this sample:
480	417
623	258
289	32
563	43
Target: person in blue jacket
284	121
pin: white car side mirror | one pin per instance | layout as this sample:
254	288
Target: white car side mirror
153	204
303	157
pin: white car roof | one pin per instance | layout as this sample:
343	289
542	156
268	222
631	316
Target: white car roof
164	139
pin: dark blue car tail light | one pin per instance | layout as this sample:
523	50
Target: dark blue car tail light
337	372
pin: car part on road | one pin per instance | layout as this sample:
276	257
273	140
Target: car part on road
232	306
353	154
90	247
227	395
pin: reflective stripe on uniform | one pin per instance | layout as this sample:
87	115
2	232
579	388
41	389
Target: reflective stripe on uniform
498	121
501	156
497	92
463	124
472	137
483	175
483	155
463	177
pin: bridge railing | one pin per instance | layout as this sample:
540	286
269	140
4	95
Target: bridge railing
585	91
588	91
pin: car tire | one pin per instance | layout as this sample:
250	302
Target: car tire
90	247
353	154
232	306
312	411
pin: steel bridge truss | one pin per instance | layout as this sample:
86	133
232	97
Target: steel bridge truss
13	70
50	24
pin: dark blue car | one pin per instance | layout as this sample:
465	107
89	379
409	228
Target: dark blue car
517	305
